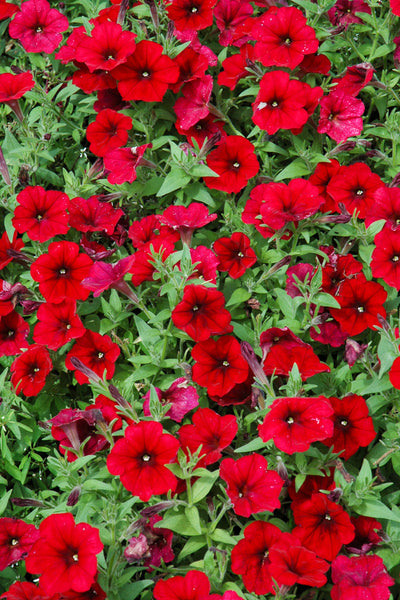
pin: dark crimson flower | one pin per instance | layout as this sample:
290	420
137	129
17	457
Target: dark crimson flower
355	79
153	545
6	245
95	351
353	427
250	557
355	186
330	332
61	271
344	12
92	82
241	393
236	67
143	267
192	38
194	586
280	103
41	214
291	563
94	250
65	554
311	485
280	361
294	423
106	47
13	334
7	9
337	270
191	14
108	132
321	178
219	365
205	128
24	590
103	276
340	116
93	215
206	264
13	87
229	16
235	161
353	351
279	336
210	432
300	273
6	300
235	254
140	459
110	99
146	74
93	593
30	369
385	257
16	540
361	302
71	427
368	534
357	577
282	204
186	220
123	162
192	65
251	487
201	313
182	397
313	63
38	26
322	525
283	37
193	105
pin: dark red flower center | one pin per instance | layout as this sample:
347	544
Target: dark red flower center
100	355
11	333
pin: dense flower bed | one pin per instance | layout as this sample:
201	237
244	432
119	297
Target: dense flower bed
200	267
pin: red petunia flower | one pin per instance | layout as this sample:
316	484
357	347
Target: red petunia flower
235	162
154	544
361	302
280	103
311	485
281	204
356	187
61	271
7	10
368	534
97	352
140	459
294	423
251	487
30	369
24	590
6	245
192	65
65	554
322	525
355	79
38	26
291	563
193	586
321	178
205	263
193	105
236	67
191	14
41	214
235	254
205	128
142	266
201	313
108	132
340	116
146	74
13	87
338	269
386	256
344	12
283	37
103	276
186	220
353	427
229	16
106	47
394	374
182	397
123	162
386	206
13	334
94	591
148	229
16	540
210	432
250	557
93	215
357	577
219	365
280	361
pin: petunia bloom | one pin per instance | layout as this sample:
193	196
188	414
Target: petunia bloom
180	395
235	254
357	577
38	26
186	219
140	459
235	162
16	540
30	369
340	116
65	554
13	87
95	351
40	213
108	132
193	586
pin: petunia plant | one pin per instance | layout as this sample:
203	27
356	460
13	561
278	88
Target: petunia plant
199	312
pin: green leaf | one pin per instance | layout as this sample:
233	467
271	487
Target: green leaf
191	546
203	485
239	296
178	523
133	590
193	516
222	536
371	507
297	168
327	301
255	444
4	501
175	180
